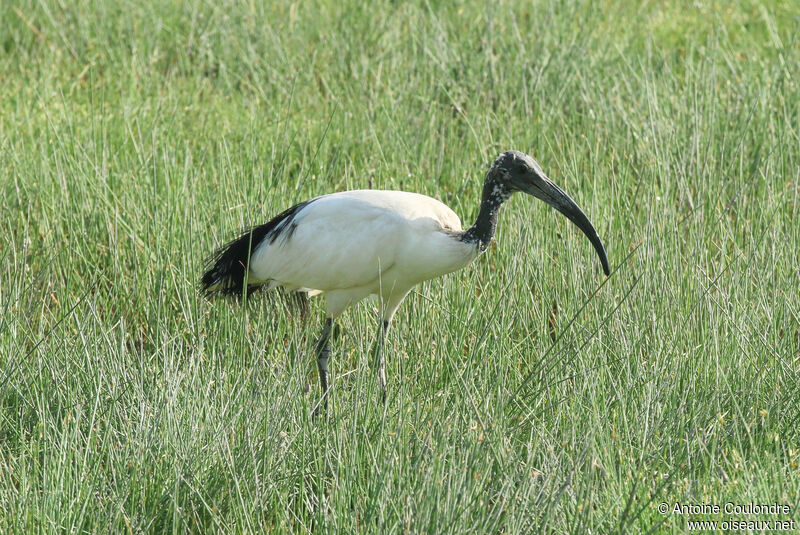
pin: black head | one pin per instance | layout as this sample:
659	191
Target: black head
515	171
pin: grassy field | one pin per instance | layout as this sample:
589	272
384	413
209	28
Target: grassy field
527	393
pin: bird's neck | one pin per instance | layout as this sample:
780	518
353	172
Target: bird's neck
495	193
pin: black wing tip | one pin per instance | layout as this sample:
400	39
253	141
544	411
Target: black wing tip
226	269
231	285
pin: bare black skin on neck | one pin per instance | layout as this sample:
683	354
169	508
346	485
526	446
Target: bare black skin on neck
495	192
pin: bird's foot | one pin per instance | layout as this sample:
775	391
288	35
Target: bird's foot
321	407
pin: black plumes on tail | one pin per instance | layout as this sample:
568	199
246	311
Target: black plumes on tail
226	269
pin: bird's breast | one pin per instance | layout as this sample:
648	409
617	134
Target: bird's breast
433	254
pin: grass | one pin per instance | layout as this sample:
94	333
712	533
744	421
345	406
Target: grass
527	393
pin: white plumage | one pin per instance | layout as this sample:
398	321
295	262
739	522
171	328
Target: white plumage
356	243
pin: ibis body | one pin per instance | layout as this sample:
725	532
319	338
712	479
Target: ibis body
349	245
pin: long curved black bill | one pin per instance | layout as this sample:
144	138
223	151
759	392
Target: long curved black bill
545	189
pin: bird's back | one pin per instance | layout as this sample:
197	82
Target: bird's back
412	207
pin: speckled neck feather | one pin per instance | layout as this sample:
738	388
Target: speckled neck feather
495	193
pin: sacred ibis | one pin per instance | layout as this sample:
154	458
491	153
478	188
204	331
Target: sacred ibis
352	244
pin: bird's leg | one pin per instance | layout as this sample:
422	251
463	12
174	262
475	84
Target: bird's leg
378	358
323	351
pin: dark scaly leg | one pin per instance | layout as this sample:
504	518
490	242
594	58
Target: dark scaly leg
378	359
323	351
